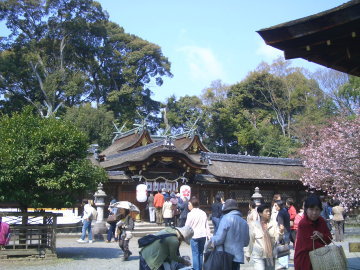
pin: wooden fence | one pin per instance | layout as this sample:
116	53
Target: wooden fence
32	234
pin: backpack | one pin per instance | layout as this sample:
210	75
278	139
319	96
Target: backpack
150	238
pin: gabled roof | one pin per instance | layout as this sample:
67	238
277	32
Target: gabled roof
330	38
132	140
143	153
192	145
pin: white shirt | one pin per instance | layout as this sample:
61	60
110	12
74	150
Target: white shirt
197	220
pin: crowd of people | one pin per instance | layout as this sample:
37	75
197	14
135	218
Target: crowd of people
264	236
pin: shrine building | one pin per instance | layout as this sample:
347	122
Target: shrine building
136	157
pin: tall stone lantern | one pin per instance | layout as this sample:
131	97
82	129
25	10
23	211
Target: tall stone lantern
256	197
100	225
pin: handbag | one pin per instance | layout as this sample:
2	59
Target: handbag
217	260
329	257
281	251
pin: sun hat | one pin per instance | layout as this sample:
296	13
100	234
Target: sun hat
186	232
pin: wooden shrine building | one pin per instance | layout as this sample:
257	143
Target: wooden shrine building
330	38
137	157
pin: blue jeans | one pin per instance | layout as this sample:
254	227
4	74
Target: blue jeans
86	226
111	231
197	249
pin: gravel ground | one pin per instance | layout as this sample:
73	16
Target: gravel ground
101	255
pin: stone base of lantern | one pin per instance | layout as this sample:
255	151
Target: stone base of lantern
99	229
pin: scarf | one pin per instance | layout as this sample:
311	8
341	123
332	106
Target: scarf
268	250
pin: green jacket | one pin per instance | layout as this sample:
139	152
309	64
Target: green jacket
157	253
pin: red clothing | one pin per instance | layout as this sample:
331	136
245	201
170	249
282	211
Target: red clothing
304	244
4	233
297	220
159	200
292	213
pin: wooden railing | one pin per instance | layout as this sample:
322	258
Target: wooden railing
32	234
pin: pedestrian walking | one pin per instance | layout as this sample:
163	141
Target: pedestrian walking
197	220
184	210
164	250
232	234
264	234
292	213
88	215
167	211
123	231
216	212
338	219
112	219
158	204
150	204
326	211
283	219
311	227
252	214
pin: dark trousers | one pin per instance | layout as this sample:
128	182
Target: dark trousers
111	231
293	236
181	222
143	265
167	222
339	232
235	266
215	221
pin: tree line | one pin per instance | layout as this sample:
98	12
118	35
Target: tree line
81	73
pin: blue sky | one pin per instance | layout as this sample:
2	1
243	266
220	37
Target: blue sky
209	40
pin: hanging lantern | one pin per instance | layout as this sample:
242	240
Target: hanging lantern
141	194
185	191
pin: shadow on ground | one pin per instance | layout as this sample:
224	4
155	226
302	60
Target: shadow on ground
79	253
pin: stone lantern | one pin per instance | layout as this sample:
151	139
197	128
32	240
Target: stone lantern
256	197
100	225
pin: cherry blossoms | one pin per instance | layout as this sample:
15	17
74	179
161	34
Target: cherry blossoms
332	160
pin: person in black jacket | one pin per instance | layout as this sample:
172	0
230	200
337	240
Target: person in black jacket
283	219
216	212
184	210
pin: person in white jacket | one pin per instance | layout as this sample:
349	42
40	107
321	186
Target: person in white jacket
167	211
264	234
87	218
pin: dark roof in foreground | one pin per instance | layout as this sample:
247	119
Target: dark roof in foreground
330	38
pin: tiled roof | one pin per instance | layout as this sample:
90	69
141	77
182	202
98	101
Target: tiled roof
253	159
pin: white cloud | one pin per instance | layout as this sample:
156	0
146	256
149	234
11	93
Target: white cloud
202	63
267	52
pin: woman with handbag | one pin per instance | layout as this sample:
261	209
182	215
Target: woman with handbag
123	231
264	234
311	228
230	238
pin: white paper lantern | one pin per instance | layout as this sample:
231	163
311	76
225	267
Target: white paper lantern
141	193
185	191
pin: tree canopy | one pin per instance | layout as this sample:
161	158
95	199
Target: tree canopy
68	52
43	162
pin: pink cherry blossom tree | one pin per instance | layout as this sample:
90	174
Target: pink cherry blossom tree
332	161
